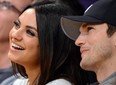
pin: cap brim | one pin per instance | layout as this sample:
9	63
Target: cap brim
71	24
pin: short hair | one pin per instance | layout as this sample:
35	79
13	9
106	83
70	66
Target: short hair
111	30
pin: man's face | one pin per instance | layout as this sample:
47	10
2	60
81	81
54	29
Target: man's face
95	46
9	12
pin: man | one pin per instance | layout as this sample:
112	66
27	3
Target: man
9	12
95	33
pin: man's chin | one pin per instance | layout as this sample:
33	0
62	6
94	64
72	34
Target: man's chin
85	66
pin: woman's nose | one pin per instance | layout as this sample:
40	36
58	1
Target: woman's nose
16	34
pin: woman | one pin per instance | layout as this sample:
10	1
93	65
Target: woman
40	51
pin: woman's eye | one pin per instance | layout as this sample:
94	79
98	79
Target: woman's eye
16	25
30	32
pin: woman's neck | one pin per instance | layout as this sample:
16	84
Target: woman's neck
33	75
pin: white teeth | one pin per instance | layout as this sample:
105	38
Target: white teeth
17	46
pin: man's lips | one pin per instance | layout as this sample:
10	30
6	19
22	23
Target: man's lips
82	50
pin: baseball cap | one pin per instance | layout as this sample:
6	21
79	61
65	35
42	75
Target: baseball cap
102	11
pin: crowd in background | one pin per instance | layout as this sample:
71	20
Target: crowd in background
9	12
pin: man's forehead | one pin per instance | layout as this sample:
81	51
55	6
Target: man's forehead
84	24
21	4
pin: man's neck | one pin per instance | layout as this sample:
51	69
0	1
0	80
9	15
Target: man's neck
4	46
4	60
106	70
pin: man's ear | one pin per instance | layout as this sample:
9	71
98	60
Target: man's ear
114	38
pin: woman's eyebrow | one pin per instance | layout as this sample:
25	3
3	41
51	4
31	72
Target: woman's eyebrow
31	27
18	21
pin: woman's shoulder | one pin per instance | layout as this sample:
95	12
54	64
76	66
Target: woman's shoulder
59	82
20	81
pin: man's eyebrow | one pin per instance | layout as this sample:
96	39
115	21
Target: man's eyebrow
84	24
87	24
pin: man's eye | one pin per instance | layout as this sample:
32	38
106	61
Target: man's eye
16	25
30	32
89	28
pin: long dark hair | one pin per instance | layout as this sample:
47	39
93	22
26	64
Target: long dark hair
58	54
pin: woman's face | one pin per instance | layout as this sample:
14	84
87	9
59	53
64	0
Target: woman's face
24	45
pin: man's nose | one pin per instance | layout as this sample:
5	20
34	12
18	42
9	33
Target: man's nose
80	40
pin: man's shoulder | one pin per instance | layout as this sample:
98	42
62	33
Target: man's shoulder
5	73
8	81
111	80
